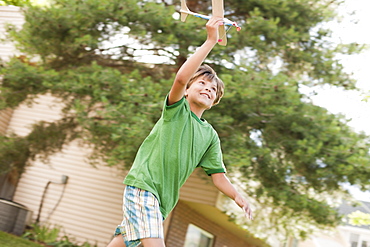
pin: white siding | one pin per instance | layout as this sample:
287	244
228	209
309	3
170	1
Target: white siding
45	108
199	188
90	207
9	14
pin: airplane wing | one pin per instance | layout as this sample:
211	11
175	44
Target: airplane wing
184	10
218	10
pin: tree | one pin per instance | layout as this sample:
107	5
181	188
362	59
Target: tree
15	2
291	155
359	218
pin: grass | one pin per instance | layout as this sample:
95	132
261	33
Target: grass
9	240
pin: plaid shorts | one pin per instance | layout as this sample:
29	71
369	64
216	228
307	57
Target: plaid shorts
142	217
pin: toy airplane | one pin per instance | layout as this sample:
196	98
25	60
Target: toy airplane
217	10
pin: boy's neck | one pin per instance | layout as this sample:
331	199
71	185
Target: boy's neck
198	111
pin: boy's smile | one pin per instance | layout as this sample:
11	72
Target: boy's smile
201	94
206	95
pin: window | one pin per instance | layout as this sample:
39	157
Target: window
196	237
364	244
295	243
354	239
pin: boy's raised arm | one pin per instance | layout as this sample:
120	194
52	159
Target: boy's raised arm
192	64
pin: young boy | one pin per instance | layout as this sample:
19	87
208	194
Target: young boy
179	142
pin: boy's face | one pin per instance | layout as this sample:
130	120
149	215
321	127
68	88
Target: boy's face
202	92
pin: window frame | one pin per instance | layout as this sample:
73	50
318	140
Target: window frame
201	231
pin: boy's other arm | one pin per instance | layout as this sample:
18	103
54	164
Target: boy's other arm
192	64
224	185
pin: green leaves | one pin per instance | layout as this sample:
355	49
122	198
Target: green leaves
295	153
359	218
44	139
23	83
15	2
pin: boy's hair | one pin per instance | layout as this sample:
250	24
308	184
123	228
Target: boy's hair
209	74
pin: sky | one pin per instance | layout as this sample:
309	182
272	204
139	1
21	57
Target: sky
351	104
352	29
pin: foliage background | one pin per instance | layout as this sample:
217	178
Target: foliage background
290	155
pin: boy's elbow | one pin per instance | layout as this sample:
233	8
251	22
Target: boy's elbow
218	178
181	81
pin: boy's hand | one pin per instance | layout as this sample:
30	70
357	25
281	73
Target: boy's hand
223	184
212	28
245	206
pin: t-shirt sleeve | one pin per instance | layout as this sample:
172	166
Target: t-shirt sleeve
171	111
212	161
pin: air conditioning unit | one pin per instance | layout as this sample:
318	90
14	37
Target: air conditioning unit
13	217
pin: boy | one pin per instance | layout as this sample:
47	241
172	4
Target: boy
179	142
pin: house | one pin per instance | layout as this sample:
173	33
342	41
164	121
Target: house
346	235
356	236
86	201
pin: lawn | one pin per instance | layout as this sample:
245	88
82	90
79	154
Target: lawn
9	240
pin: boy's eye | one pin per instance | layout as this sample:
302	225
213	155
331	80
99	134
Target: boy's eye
214	89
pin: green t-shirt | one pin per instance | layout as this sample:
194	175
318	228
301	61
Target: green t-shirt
178	143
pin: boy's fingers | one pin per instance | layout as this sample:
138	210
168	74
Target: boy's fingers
216	20
248	212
